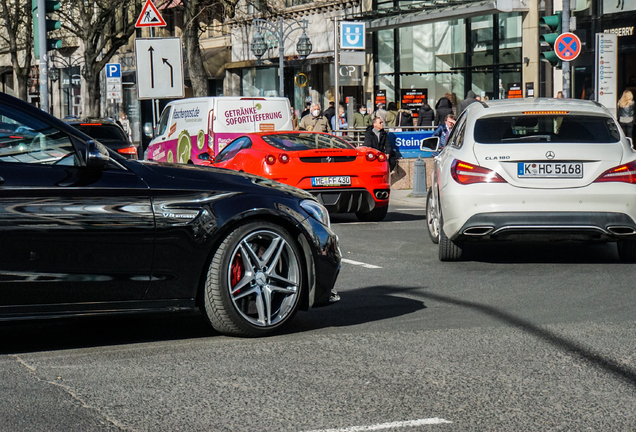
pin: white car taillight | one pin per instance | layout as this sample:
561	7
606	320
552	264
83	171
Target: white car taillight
623	173
466	173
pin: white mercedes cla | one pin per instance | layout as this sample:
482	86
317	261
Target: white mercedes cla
535	169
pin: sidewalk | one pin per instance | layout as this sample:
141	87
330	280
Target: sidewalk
402	197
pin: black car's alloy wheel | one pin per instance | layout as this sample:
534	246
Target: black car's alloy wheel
254	282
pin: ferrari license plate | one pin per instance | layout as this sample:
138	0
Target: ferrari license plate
549	170
331	181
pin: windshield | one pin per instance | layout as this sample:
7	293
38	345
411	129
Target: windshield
546	128
102	132
305	141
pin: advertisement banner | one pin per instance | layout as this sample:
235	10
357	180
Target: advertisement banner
412	99
407	144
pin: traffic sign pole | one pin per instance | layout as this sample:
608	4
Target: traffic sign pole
565	28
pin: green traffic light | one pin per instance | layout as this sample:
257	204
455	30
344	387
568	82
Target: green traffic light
553	22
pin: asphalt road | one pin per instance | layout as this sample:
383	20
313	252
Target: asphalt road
520	337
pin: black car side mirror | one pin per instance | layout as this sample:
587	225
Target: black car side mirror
431	143
203	156
96	155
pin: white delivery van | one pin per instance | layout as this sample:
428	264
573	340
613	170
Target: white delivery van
191	130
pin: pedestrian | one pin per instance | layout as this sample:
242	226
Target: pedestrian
444	130
341	119
404	118
331	111
626	113
125	125
306	111
559	95
360	118
380	112
294	117
425	115
315	121
443	108
377	138
391	115
471	97
452	97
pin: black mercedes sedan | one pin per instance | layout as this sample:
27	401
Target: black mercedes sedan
86	231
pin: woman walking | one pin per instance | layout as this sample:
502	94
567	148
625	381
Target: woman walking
626	112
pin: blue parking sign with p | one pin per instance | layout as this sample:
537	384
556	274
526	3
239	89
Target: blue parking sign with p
352	35
113	70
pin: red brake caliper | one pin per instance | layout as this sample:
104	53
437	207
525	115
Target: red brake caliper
237	271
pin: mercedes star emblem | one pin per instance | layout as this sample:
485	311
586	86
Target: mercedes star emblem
550	154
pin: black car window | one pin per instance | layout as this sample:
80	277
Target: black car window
233	148
305	141
163	121
102	132
542	128
32	141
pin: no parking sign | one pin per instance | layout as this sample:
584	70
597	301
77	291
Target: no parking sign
567	46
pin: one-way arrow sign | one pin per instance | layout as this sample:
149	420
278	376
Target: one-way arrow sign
159	68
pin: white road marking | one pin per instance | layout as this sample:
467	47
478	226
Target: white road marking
365	265
398	424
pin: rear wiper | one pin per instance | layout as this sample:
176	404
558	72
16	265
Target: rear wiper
529	138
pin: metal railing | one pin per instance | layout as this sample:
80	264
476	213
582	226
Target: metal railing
356	135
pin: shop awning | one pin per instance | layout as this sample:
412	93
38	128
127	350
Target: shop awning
435	11
313	58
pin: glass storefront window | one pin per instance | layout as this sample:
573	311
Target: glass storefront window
259	82
385	52
481	38
434	47
387	83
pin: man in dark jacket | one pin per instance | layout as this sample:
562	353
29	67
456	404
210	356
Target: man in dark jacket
471	97
425	115
330	112
443	108
377	138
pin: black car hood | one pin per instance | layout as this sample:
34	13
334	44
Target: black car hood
194	177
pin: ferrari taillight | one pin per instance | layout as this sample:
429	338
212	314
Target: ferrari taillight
270	159
624	173
283	158
381	157
466	173
370	156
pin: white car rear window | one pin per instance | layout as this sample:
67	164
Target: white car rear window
546	128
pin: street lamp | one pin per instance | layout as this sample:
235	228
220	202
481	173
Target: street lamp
66	60
281	33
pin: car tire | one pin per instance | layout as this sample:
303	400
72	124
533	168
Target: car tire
432	217
627	250
240	297
448	249
376	215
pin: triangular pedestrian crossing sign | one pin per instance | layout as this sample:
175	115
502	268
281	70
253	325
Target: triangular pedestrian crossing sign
150	16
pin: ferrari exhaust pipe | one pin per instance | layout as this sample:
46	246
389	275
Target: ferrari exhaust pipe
381	194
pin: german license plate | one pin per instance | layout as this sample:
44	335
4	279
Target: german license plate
331	181
549	170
